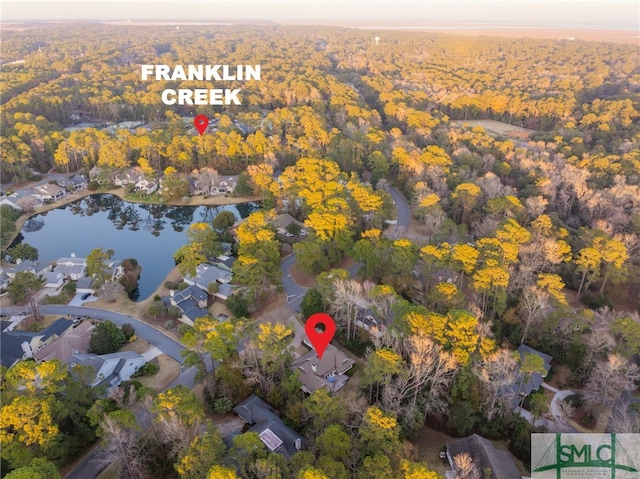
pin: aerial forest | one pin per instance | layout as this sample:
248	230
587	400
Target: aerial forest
519	158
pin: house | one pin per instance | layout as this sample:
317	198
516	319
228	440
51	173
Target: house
225	184
71	267
365	319
19	345
328	372
5	279
535	379
79	182
126	177
146	185
272	431
192	301
101	175
9	202
115	269
21	266
227	248
16	346
225	262
74	340
207	274
111	369
53	279
39	269
193	292
282	221
53	332
47	192
85	285
225	290
485	458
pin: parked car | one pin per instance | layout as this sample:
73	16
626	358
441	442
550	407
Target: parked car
85	296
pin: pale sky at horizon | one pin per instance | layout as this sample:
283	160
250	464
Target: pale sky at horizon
621	14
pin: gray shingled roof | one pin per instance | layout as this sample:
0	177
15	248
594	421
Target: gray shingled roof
58	327
11	346
485	455
266	423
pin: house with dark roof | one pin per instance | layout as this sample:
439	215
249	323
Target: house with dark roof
366	319
54	331
16	346
328	372
272	431
85	285
490	463
79	182
192	301
19	345
535	380
72	341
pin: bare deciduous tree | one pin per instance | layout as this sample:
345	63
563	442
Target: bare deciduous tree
499	373
428	368
349	297
465	467
609	379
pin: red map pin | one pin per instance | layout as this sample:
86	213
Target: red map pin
201	123
320	339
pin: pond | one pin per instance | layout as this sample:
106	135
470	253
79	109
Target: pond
150	233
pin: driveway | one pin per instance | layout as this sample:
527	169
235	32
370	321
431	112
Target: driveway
293	290
402	208
78	301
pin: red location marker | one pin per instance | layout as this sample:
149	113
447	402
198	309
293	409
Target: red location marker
320	339
201	123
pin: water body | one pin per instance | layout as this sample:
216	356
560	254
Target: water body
149	233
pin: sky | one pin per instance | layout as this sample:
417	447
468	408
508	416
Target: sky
598	14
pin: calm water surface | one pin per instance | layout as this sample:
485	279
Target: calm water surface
148	233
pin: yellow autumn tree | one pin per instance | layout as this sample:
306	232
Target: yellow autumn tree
261	177
553	285
466	196
613	255
222	472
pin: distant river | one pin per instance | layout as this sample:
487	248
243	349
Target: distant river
149	233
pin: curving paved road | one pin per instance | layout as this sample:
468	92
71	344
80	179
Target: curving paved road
167	345
402	208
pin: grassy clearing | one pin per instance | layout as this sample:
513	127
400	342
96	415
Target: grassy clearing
169	371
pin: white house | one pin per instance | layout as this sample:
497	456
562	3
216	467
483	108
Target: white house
130	176
48	192
146	186
71	267
207	274
111	369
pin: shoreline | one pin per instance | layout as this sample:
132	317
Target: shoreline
120	192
